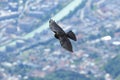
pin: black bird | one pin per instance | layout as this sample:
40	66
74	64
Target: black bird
62	36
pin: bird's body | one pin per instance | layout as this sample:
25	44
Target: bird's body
62	36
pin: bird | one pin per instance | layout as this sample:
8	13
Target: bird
62	36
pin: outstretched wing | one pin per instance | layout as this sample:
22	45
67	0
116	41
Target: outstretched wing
65	43
55	27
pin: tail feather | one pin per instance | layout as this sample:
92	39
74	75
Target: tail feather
71	35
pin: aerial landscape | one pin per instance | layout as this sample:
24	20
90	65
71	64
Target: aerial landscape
29	50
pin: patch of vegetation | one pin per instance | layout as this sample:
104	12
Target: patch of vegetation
63	75
66	75
113	67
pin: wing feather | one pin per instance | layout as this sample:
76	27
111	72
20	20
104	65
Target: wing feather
65	43
55	27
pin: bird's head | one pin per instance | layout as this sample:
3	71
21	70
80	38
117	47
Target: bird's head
51	21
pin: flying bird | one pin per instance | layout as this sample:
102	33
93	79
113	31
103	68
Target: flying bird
62	36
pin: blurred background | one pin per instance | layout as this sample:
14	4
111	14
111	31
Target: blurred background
29	51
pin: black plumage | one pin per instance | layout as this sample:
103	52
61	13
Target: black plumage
62	36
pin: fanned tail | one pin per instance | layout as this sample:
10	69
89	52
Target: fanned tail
71	35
